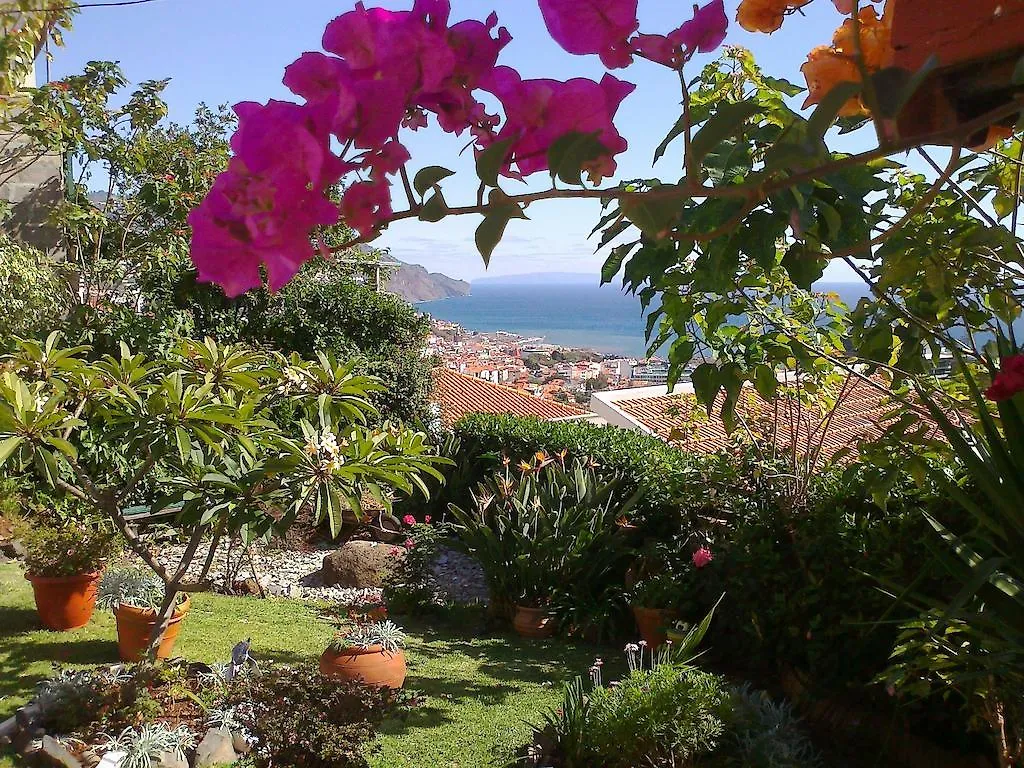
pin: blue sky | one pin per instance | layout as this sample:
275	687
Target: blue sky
226	51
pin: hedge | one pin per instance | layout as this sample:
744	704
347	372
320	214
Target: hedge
676	482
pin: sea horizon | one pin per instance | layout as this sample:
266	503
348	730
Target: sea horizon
603	319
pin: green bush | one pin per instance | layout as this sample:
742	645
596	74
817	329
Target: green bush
676	483
32	293
324	309
324	724
666	716
546	535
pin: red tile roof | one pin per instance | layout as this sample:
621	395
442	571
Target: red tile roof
459	395
862	411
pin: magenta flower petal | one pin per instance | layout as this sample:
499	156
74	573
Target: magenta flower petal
705	31
593	26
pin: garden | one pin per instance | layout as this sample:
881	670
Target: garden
235	532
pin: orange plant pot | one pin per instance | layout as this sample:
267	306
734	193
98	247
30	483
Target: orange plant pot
533	622
371	665
653	623
65	602
135	625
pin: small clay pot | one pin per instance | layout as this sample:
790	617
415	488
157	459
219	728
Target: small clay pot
65	602
371	665
653	623
135	625
533	622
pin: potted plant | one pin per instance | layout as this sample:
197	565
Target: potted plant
654	602
135	595
369	652
64	563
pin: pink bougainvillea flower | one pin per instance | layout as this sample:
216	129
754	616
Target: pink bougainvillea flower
1009	381
702	557
705	31
659	49
593	26
262	209
427	519
366	206
409	543
409	520
388	159
538	112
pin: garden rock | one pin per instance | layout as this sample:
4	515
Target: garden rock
359	564
13	548
112	759
55	753
167	760
240	743
216	748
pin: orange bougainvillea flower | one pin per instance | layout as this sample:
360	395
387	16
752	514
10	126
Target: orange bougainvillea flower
875	39
824	69
765	15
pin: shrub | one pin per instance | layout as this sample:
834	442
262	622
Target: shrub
545	533
323	725
62	536
676	484
32	293
764	733
409	586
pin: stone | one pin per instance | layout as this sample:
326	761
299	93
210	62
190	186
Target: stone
13	548
240	743
216	748
359	564
55	753
112	759
168	760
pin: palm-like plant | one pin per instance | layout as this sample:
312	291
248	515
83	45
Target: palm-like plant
548	533
233	441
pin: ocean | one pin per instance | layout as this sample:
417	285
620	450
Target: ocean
568	314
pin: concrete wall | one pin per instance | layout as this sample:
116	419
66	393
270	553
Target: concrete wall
34	185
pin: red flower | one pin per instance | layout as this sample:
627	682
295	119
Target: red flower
409	520
1009	381
702	557
409	543
427	519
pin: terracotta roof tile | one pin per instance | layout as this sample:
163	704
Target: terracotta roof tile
459	395
862	412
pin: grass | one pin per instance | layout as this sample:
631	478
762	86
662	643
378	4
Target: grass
479	691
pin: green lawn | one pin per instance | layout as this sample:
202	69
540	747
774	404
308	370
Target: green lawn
479	690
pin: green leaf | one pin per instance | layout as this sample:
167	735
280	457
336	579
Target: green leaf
726	122
490	162
489	234
434	209
613	263
653	215
569	153
825	114
1018	72
184	444
8	447
707	381
428	177
804	265
783	86
765	382
677	130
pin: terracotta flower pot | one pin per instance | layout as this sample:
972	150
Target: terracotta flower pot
371	665
533	622
135	625
65	602
653	623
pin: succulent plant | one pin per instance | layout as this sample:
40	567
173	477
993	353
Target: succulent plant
130	586
388	635
142	747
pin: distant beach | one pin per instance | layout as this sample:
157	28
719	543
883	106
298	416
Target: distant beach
568	314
